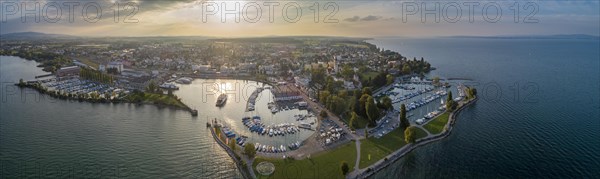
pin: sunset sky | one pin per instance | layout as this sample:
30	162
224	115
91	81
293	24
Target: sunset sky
353	18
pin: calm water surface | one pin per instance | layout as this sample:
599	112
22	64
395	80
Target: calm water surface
538	116
44	137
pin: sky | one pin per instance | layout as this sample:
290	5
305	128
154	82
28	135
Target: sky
355	18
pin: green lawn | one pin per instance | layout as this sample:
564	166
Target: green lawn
161	99
87	61
436	125
324	165
379	148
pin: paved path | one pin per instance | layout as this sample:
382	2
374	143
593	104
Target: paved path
357	155
428	133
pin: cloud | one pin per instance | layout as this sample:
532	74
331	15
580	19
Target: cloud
371	18
366	18
352	19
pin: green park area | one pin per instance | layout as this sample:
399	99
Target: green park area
375	149
437	125
323	165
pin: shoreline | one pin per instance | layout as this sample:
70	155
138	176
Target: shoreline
236	159
396	155
102	101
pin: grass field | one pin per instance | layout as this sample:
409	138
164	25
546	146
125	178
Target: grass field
87	61
436	125
325	165
377	149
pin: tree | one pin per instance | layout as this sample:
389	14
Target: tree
347	72
367	90
406	69
471	92
403	120
387	103
410	134
317	76
450	104
323	96
344	168
353	119
232	143
380	80
371	109
362	105
389	79
323	113
249	150
151	87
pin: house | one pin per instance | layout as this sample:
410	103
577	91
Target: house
68	71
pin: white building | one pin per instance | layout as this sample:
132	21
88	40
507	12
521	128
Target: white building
201	68
117	65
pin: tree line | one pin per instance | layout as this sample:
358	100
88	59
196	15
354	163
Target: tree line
94	75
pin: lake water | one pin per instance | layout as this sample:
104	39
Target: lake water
45	137
538	117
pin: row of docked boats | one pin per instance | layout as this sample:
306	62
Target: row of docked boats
241	140
169	86
252	100
301	117
228	132
274	149
409	95
426	100
255	125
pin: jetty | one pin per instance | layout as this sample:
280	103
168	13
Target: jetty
252	99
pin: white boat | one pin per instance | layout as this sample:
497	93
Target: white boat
221	100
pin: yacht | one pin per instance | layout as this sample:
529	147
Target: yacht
221	100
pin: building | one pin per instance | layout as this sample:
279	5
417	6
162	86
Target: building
201	68
115	65
139	83
102	68
68	71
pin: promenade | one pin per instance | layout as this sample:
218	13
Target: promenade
391	158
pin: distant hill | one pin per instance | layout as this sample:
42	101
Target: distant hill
32	35
558	36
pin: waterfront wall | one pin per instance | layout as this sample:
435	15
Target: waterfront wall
246	174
